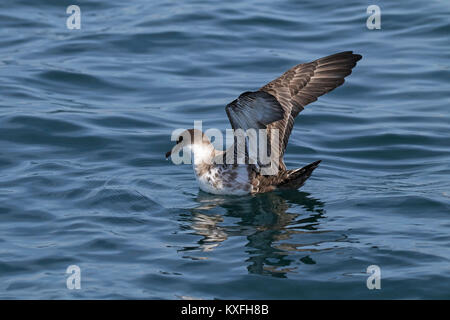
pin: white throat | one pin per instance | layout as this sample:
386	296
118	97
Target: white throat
202	153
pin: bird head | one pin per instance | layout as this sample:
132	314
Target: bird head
190	138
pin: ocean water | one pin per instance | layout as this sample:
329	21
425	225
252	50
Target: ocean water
86	117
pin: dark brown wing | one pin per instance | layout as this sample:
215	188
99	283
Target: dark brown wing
302	85
251	110
254	110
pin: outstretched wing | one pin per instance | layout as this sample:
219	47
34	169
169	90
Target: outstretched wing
275	105
302	85
251	110
254	110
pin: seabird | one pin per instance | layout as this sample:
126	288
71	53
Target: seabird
272	108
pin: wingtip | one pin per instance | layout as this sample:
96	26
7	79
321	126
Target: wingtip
357	56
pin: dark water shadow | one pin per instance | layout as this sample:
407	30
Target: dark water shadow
271	223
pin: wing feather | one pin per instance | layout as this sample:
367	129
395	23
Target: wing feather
276	104
303	84
254	110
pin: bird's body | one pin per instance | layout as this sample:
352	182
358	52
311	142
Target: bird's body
224	179
240	179
272	109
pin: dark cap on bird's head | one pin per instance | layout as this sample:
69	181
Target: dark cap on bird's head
187	137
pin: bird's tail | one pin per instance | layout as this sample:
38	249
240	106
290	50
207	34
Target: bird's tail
294	179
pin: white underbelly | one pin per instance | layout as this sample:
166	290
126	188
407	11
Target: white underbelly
220	183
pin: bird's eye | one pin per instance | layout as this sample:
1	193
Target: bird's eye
180	139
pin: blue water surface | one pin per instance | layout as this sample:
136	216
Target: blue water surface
86	117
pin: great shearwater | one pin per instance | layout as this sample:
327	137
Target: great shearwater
272	108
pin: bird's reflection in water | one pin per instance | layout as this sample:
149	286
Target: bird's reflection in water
275	225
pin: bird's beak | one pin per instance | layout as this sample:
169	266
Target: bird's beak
168	153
